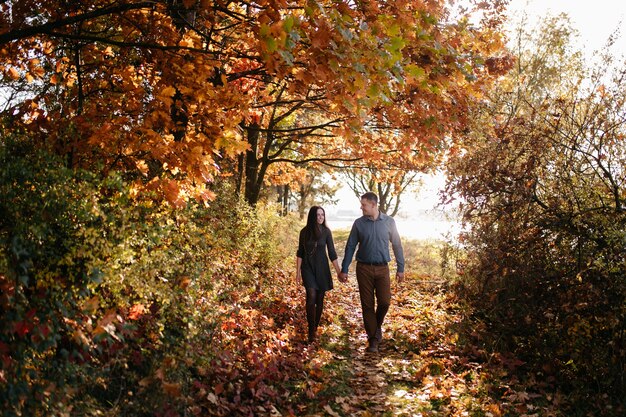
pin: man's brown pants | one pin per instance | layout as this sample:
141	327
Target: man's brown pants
375	292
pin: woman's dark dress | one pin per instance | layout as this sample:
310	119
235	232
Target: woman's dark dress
315	268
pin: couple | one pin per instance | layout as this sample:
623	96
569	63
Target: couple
372	233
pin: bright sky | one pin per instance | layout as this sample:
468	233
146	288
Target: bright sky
596	20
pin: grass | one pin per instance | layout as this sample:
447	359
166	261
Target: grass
423	258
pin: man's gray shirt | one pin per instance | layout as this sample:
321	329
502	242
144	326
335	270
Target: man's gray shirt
373	237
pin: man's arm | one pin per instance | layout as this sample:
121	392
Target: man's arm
350	248
396	245
330	246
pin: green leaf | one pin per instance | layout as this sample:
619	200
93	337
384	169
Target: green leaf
264	30
271	44
289	23
396	44
415	71
287	57
373	90
393	30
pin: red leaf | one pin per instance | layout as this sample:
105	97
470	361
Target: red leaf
22	328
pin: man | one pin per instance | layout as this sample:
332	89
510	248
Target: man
373	232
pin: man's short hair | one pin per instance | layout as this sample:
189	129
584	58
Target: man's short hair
370	196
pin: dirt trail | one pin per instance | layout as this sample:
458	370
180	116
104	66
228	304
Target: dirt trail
392	382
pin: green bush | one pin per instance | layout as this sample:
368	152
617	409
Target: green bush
108	301
541	178
47	271
546	255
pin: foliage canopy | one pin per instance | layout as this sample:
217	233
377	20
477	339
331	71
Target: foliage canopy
175	93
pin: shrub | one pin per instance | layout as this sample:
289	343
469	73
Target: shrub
109	302
542	183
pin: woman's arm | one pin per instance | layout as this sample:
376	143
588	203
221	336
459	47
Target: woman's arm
332	253
298	270
299	256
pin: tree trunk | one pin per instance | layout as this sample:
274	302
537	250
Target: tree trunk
283	198
302	199
252	189
239	182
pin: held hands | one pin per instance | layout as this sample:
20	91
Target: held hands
342	276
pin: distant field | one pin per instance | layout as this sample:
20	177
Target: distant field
427	227
423	256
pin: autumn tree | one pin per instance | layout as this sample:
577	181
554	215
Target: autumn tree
171	91
133	89
542	182
389	187
380	77
314	189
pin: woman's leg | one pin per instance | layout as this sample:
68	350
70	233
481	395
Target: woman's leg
311	300
319	307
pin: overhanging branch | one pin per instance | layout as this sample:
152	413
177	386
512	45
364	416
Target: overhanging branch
123	44
47	28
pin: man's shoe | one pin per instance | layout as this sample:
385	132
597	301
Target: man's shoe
373	345
379	335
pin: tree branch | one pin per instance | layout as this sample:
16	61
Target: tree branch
47	28
123	44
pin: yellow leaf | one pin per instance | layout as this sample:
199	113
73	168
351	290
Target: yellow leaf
168	92
13	73
142	166
91	305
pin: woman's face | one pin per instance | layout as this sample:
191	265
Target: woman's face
320	216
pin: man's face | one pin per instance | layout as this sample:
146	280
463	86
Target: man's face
368	207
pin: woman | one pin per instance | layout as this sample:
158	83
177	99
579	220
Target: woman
312	265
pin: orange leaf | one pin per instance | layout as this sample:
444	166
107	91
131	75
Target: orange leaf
171	389
14	74
184	282
136	311
145	382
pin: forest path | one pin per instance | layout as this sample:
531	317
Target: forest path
417	371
